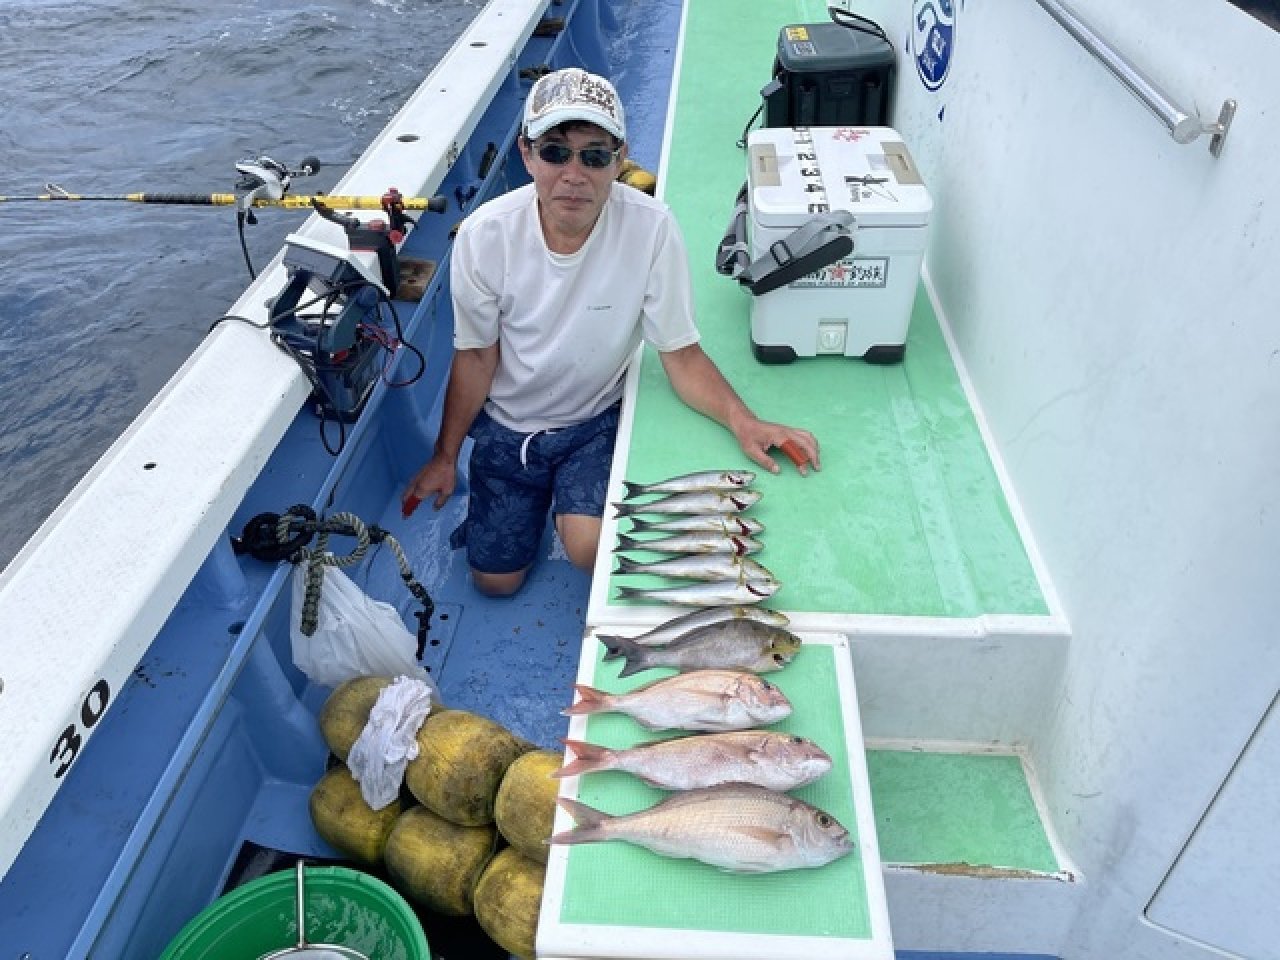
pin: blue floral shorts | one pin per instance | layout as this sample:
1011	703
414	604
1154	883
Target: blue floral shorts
517	477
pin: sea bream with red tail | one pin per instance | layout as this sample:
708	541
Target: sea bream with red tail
701	700
767	758
736	826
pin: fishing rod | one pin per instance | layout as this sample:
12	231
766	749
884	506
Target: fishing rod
263	182
291	202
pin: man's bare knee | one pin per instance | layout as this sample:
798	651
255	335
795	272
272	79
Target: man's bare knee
498	584
581	537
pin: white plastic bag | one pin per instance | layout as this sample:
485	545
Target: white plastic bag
356	636
389	740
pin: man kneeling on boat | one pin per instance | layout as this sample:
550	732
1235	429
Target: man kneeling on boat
554	284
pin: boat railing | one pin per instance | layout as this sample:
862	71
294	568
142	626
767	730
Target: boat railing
1183	126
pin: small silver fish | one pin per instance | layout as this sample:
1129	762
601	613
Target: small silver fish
710	700
693	543
699	502
730	524
705	594
712	566
679	625
736	826
779	761
723	480
728	645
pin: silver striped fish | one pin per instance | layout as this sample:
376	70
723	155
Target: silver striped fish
698	502
723	592
723	480
710	567
692	543
730	524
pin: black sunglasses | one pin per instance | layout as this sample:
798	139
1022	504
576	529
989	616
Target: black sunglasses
557	154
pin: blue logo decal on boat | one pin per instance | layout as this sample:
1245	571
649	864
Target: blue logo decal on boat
933	40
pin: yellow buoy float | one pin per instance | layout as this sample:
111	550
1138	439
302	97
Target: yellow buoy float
462	758
526	803
346	822
438	863
507	899
345	713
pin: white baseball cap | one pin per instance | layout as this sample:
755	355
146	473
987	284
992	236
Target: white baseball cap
573	94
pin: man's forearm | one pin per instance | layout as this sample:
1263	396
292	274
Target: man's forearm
700	384
470	377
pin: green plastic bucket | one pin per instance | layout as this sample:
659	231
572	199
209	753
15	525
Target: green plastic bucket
344	907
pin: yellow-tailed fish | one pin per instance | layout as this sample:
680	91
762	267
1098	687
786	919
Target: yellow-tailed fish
677	626
729	645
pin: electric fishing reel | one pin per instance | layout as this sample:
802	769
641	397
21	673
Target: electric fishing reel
262	178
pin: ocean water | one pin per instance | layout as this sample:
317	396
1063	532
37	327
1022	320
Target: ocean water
100	302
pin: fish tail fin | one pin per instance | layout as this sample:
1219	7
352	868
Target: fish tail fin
618	646
633	489
590	700
590	822
641	525
588	757
630	593
627	649
606	639
636	662
627	565
628	543
626	509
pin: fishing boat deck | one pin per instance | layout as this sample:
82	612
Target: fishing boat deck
908	517
907	543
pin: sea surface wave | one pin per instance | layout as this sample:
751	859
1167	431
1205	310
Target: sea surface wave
101	301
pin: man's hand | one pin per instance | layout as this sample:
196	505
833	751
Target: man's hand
438	478
703	387
757	437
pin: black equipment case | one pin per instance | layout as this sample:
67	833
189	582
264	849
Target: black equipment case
831	74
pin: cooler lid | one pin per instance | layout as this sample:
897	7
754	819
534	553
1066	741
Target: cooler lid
794	173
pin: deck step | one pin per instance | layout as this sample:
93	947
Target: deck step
959	812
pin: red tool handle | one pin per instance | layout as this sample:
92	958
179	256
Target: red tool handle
792	450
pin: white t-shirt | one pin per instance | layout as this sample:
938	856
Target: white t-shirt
567	326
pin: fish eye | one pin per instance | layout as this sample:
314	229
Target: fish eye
824	820
797	740
779	658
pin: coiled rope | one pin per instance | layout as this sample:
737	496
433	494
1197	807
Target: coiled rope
274	537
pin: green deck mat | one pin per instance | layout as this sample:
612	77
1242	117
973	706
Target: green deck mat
907	516
956	808
619	883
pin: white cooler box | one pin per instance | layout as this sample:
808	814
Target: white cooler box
860	304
